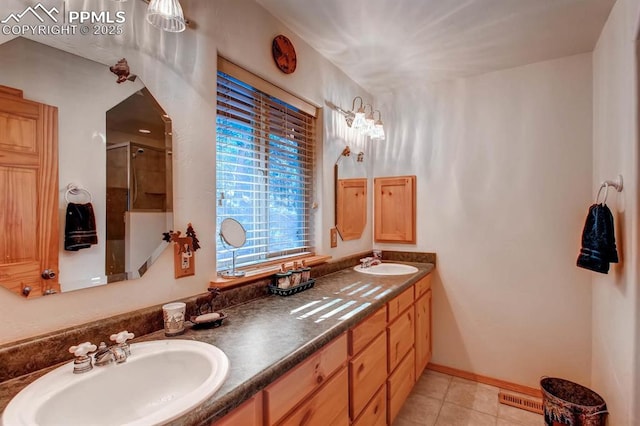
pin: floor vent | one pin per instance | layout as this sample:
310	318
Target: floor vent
520	401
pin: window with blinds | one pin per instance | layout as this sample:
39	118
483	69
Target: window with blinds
264	169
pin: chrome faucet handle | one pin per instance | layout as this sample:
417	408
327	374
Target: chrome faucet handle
82	363
121	339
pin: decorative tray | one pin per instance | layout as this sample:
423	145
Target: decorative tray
207	323
291	290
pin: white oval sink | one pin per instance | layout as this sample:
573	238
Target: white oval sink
160	381
387	269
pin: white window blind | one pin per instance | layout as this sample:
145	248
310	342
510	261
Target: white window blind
264	172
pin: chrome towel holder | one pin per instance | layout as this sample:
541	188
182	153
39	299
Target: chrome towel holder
74	189
617	184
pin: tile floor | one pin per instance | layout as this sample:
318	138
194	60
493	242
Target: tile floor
442	400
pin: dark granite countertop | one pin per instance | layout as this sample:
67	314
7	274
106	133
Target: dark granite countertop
265	338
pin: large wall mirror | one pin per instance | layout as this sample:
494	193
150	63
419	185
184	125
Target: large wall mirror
114	145
350	195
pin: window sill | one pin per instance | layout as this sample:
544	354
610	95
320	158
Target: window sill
263	271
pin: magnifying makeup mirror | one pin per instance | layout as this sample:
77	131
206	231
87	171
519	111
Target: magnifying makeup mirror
233	235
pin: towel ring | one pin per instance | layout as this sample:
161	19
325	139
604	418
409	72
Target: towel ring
604	185
75	190
617	184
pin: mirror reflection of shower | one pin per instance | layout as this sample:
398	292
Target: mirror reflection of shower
138	185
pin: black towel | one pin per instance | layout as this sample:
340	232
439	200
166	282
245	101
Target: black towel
80	227
598	240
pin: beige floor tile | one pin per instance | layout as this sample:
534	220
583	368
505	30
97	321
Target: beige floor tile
477	396
418	410
517	416
455	415
432	384
436	373
405	422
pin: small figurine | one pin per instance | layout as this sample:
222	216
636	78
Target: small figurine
194	240
121	69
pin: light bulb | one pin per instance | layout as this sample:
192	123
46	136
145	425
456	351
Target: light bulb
166	15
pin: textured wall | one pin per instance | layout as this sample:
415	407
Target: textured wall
615	151
503	162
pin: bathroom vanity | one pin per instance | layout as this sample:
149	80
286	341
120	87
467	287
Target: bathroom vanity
347	351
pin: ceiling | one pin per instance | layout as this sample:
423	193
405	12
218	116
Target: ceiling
390	44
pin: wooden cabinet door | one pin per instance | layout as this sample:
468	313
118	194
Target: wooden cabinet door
423	332
395	209
367	372
248	414
28	193
328	406
399	385
400	338
351	208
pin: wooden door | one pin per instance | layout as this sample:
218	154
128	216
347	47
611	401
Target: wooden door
28	193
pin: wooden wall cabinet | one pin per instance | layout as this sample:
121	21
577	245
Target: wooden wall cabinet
351	208
395	209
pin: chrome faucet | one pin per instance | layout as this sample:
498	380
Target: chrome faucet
367	262
118	352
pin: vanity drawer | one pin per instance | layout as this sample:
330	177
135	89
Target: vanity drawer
400	337
400	384
375	414
422	286
362	334
248	414
328	406
399	304
367	372
294	386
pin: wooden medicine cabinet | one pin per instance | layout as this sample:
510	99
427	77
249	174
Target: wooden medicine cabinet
351	207
395	209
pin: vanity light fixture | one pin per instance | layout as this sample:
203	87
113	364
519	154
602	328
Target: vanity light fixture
166	15
369	121
378	128
369	125
359	120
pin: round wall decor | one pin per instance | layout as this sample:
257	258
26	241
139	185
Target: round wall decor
284	54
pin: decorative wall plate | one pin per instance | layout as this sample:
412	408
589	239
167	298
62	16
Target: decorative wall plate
284	54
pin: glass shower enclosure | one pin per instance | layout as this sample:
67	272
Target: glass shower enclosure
138	207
